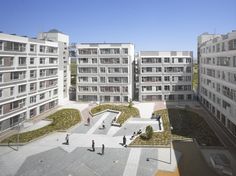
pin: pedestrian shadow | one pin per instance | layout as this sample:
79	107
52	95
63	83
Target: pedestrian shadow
65	143
99	153
90	150
123	144
167	162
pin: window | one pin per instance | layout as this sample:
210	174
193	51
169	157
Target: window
102	70
32	48
42	49
1	45
11	91
0	110
167	78
125	60
232	44
42	96
166	60
22	61
33	99
180	60
0	93
42	73
94	60
125	50
188	60
223	46
188	69
94	79
32	73
167	87
53	60
32	86
42	84
1	77
102	79
42	60
21	88
158	88
55	92
31	61
1	62
234	62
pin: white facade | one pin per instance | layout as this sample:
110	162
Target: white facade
217	76
165	75
104	72
28	78
64	62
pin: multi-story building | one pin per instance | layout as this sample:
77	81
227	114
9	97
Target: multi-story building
28	78
217	76
63	60
104	72
165	76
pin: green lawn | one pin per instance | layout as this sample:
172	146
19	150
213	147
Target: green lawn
62	120
186	125
126	112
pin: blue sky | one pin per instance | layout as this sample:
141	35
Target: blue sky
149	24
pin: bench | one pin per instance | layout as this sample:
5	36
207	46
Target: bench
115	124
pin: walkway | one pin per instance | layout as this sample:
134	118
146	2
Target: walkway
38	157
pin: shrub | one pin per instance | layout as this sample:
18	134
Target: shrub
148	133
130	103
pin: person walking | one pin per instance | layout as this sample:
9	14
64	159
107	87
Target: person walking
93	146
88	121
103	148
67	139
124	141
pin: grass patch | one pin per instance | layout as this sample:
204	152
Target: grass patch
61	120
126	112
161	138
186	125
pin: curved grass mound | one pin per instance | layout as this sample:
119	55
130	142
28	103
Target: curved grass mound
61	120
126	111
186	125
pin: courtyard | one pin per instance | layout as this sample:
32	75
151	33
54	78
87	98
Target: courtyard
49	155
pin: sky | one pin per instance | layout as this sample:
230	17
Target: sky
150	24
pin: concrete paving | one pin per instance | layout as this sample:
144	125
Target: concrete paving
49	156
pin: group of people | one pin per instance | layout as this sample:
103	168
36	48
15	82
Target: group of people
93	147
134	134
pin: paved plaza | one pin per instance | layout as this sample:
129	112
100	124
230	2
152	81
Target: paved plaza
49	156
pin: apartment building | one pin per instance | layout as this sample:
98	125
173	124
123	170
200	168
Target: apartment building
63	60
28	78
104	72
165	75
217	76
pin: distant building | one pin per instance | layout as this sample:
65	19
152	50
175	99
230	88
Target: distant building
165	76
64	61
104	72
217	76
30	77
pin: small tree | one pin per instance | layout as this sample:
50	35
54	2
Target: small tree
149	131
130	103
